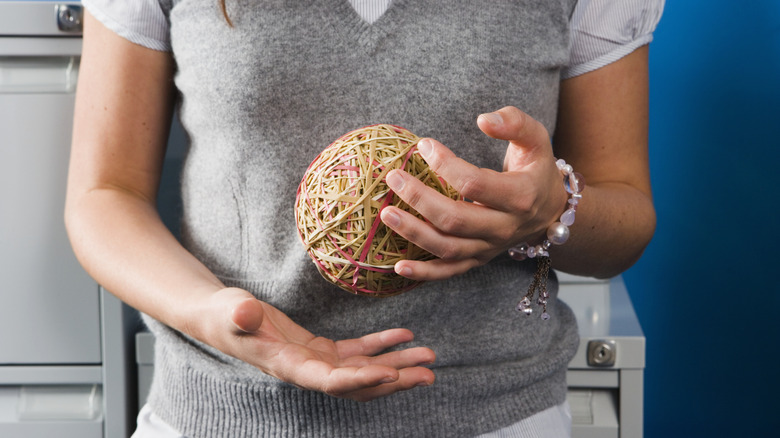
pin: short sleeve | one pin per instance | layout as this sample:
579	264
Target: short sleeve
603	31
143	22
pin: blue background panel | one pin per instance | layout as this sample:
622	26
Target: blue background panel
706	290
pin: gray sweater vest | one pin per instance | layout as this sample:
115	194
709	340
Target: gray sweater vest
259	101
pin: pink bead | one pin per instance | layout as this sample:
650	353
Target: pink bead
519	252
567	218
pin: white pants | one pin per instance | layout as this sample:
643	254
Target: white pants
551	423
554	422
151	426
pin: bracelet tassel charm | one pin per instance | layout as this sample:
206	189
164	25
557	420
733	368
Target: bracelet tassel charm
539	283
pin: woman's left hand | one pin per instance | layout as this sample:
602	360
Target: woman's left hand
508	207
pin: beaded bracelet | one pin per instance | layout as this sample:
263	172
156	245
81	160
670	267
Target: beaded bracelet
557	234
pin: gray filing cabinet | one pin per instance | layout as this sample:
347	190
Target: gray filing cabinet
606	376
64	343
605	384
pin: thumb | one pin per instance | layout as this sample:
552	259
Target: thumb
527	136
246	311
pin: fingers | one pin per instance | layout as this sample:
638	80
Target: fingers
485	186
488	218
408	358
373	343
439	237
408	379
372	381
363	351
507	206
515	126
368	383
364	378
462	234
337	381
436	269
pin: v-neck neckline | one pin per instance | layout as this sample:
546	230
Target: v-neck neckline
351	26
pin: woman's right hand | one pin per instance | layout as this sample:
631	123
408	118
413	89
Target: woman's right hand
261	335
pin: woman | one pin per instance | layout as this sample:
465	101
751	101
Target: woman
251	341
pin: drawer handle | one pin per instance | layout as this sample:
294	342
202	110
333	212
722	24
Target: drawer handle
69	18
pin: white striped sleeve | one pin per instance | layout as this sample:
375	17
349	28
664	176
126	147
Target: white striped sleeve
603	31
370	10
142	22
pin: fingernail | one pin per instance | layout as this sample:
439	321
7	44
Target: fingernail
404	271
424	384
492	118
395	181
388	380
390	218
424	147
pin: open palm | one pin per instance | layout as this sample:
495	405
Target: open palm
352	368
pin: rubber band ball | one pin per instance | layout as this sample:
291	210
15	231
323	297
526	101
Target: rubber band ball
338	204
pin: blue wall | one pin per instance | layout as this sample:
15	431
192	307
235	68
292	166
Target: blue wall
706	290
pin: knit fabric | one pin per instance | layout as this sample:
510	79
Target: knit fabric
259	101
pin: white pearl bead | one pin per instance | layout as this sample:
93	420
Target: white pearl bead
558	233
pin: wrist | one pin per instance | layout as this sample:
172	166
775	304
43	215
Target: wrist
199	316
557	234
